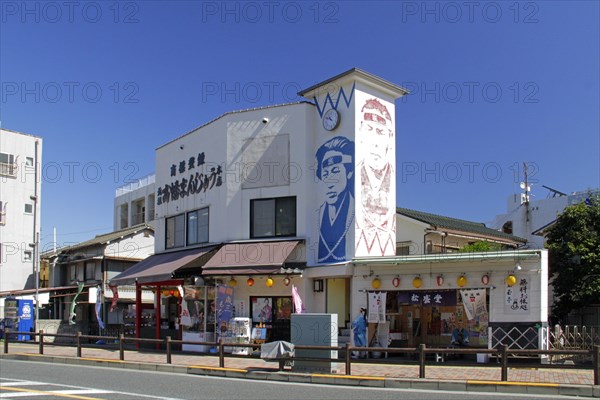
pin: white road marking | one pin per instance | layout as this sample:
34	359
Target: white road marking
23	383
75	390
82	391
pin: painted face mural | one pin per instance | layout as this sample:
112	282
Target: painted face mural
376	222
335	169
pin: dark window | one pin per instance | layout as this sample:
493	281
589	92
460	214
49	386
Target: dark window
273	217
403	250
197	226
507	227
175	236
90	270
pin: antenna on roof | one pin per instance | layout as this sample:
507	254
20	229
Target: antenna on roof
526	189
554	192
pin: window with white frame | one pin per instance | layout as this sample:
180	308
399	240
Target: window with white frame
29	161
197	226
28	208
7	164
175	232
273	217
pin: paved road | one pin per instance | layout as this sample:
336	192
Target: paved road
19	379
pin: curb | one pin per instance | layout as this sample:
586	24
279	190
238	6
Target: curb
327	379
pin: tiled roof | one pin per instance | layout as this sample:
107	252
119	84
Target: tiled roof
109	237
475	228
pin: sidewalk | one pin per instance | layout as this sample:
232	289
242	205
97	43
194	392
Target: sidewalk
522	380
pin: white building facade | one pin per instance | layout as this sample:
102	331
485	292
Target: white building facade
299	194
523	217
20	201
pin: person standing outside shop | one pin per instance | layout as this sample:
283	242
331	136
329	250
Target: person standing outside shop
359	328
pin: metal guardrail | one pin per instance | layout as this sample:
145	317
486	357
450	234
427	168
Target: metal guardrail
502	354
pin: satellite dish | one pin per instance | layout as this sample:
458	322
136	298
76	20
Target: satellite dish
522	185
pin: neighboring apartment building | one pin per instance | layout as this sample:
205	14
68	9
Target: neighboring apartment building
20	200
134	203
525	218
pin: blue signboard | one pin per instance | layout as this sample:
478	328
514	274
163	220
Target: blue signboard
25	313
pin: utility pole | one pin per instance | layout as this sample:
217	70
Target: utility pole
36	238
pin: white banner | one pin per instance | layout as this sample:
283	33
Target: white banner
517	297
184	318
474	302
376	307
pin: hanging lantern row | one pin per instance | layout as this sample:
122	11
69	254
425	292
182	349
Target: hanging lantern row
269	282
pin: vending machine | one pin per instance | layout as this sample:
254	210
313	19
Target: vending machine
18	317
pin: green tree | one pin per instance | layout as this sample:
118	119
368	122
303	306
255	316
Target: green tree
480	247
574	251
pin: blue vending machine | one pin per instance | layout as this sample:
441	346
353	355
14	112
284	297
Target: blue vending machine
18	315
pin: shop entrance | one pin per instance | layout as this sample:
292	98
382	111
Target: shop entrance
274	314
437	318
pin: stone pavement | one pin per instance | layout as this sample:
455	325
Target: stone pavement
561	381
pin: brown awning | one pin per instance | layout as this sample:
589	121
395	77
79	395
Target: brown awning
252	258
160	267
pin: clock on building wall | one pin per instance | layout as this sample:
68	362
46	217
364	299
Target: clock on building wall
331	119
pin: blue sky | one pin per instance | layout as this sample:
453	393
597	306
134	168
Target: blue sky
494	84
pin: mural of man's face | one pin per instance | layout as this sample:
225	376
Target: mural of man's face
335	176
376	137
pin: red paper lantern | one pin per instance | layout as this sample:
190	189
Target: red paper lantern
485	279
250	282
396	282
286	281
440	280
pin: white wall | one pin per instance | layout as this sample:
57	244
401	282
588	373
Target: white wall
17	233
137	246
223	143
541	213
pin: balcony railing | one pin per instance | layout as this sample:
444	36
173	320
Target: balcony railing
8	169
146	180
